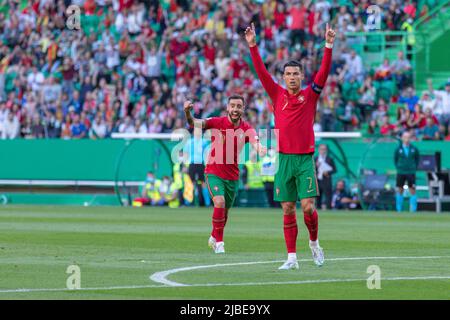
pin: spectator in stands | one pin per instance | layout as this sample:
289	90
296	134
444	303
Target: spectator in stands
10	127
348	116
37	129
127	126
402	117
381	111
427	102
78	129
98	129
341	197
66	132
429	114
431	130
387	128
401	70
409	97
297	23
373	128
53	124
383	72
325	169
353	68
442	106
447	137
419	118
145	53
442	131
368	94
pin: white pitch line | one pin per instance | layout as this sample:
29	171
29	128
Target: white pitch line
161	277
169	284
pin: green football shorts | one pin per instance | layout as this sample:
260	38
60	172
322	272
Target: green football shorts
221	187
296	178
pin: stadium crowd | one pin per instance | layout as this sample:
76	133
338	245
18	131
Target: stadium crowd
133	63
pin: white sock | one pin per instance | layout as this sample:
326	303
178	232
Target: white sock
292	256
314	244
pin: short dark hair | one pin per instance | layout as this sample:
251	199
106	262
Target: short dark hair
293	63
236	96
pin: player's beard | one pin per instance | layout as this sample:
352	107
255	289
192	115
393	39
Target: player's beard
234	118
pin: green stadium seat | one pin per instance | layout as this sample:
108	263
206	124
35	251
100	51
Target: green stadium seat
89	23
9	81
384	93
350	91
392	110
374	42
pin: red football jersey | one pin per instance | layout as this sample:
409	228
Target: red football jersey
294	114
227	142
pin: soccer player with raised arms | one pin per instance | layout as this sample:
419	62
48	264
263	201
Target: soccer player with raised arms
294	111
229	135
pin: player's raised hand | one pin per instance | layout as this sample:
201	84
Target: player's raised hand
188	106
330	34
250	35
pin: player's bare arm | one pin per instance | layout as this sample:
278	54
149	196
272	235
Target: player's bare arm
325	67
264	76
193	122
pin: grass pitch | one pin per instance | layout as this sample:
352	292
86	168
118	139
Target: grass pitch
118	249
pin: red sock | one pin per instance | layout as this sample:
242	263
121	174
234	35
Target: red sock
218	222
312	223
224	224
290	232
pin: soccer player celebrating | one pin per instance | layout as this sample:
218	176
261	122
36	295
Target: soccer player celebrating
294	110
229	135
